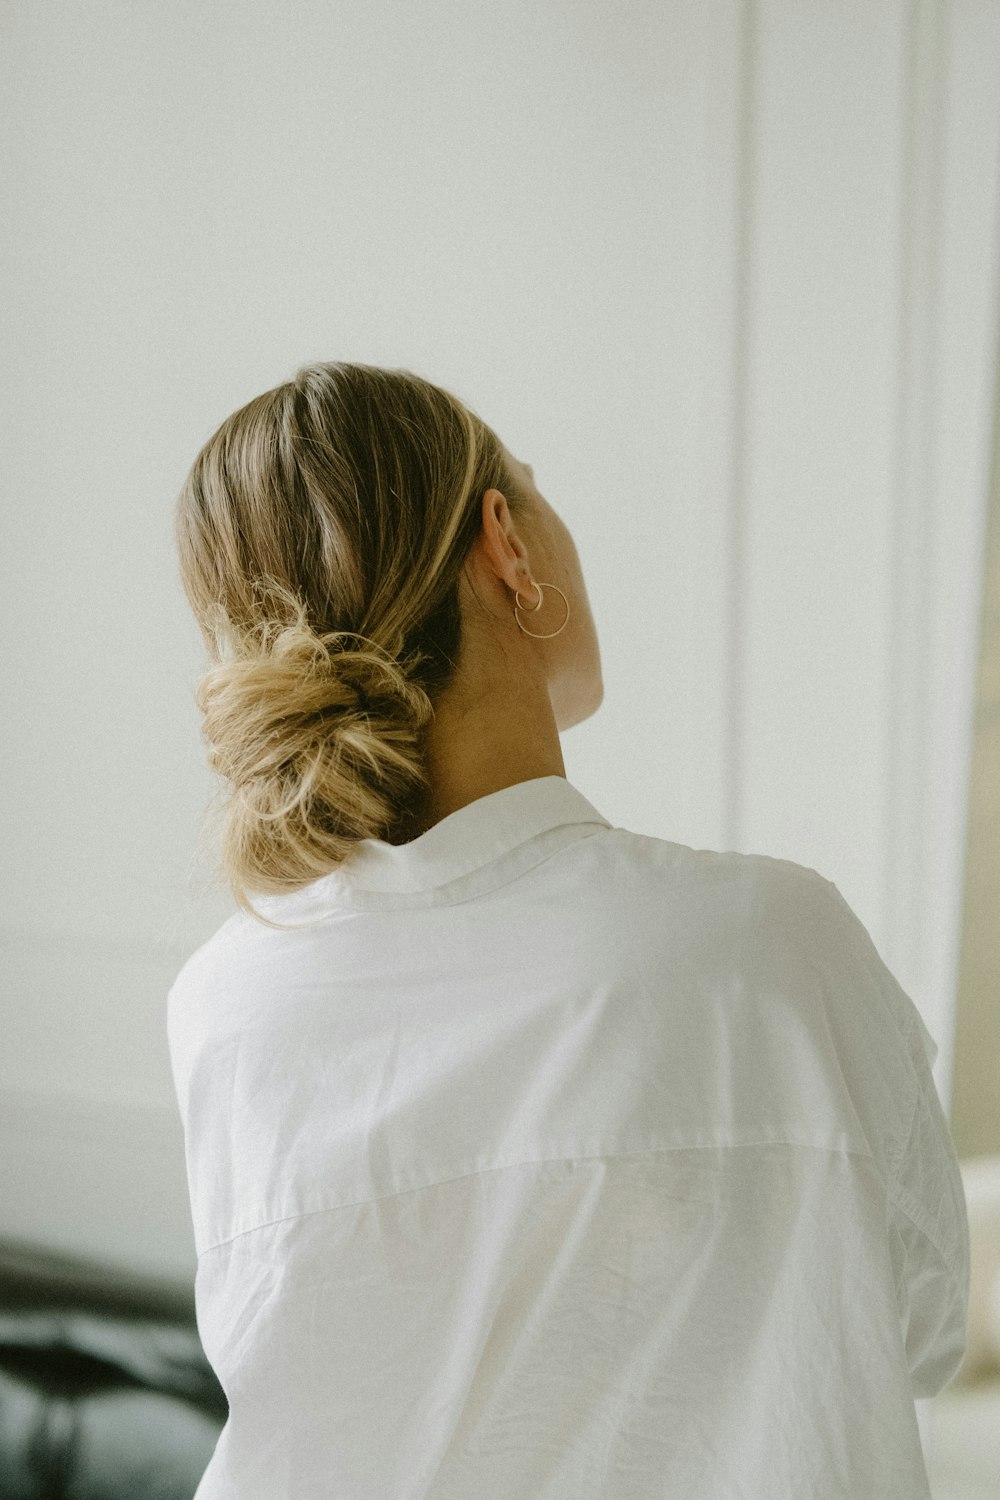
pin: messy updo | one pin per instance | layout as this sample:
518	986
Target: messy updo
321	532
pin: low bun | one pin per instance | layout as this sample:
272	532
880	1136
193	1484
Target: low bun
319	735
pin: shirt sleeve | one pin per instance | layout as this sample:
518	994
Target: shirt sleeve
928	1221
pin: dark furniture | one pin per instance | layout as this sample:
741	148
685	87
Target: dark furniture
105	1391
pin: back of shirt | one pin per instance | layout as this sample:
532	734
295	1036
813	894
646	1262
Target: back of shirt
547	1159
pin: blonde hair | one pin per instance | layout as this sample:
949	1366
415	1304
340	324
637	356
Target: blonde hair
321	533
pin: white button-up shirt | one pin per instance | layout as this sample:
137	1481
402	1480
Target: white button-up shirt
546	1160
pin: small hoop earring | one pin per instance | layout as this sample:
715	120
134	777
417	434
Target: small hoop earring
539	635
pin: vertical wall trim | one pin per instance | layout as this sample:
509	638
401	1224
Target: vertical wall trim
908	689
737	585
908	694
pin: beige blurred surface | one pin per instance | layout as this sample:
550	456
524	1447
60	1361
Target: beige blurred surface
975	1102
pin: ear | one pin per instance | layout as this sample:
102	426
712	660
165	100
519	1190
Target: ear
503	547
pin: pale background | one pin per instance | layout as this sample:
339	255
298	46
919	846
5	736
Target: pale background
725	274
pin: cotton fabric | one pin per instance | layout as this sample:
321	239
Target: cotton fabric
547	1160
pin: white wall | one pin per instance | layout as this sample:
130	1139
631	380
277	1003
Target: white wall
725	274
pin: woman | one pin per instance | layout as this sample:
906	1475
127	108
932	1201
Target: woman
529	1156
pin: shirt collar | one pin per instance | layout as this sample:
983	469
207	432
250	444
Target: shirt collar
473	836
473	850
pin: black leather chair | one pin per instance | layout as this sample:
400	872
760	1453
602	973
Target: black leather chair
105	1391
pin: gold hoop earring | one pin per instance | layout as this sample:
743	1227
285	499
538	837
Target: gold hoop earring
538	635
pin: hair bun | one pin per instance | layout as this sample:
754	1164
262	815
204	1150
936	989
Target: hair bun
319	736
287	701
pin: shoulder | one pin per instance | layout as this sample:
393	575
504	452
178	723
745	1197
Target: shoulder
725	913
804	937
199	976
783	926
745	886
